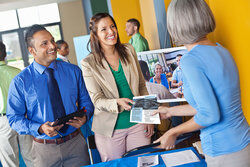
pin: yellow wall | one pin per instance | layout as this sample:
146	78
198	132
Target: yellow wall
233	32
166	4
143	10
150	23
124	10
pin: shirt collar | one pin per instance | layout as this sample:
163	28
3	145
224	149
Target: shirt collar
2	63
62	57
40	68
136	35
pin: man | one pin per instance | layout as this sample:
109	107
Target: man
177	80
138	41
62	50
47	90
9	139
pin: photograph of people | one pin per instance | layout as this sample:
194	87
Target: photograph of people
160	77
113	76
211	87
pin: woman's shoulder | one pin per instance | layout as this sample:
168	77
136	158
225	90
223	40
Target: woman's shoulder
200	54
88	60
130	48
163	76
191	59
130	51
164	79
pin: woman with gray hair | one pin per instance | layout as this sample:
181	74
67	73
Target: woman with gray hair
211	87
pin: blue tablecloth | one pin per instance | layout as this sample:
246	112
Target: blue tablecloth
132	161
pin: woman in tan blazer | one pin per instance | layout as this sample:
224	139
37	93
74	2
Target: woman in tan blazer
113	76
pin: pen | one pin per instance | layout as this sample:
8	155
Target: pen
56	131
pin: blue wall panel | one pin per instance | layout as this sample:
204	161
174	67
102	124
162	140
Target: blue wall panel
161	18
81	47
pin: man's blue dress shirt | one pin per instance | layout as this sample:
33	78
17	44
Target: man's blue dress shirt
212	87
164	80
28	94
177	75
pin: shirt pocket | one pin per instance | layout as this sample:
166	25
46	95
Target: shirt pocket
72	96
31	100
74	93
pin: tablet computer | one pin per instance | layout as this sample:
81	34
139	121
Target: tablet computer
66	118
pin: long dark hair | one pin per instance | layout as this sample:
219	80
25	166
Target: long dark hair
95	45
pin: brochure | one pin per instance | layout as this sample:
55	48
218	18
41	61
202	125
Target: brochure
143	108
146	161
179	158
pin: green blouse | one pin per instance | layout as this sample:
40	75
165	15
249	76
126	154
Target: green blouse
123	120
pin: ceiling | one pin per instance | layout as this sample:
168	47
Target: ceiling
16	4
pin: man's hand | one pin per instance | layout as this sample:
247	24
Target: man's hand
149	130
48	129
77	122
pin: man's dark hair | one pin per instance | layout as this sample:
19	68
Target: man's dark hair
59	43
31	31
135	23
173	66
2	51
179	55
145	70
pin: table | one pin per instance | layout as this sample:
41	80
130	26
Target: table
132	161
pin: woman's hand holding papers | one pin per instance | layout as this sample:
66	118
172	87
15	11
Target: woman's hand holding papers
181	110
164	112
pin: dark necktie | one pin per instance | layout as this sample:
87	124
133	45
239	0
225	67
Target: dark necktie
55	96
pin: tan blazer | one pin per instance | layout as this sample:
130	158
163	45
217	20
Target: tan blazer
103	91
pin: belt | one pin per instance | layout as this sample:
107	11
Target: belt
2	114
58	140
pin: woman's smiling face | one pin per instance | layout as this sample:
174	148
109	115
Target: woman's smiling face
106	32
